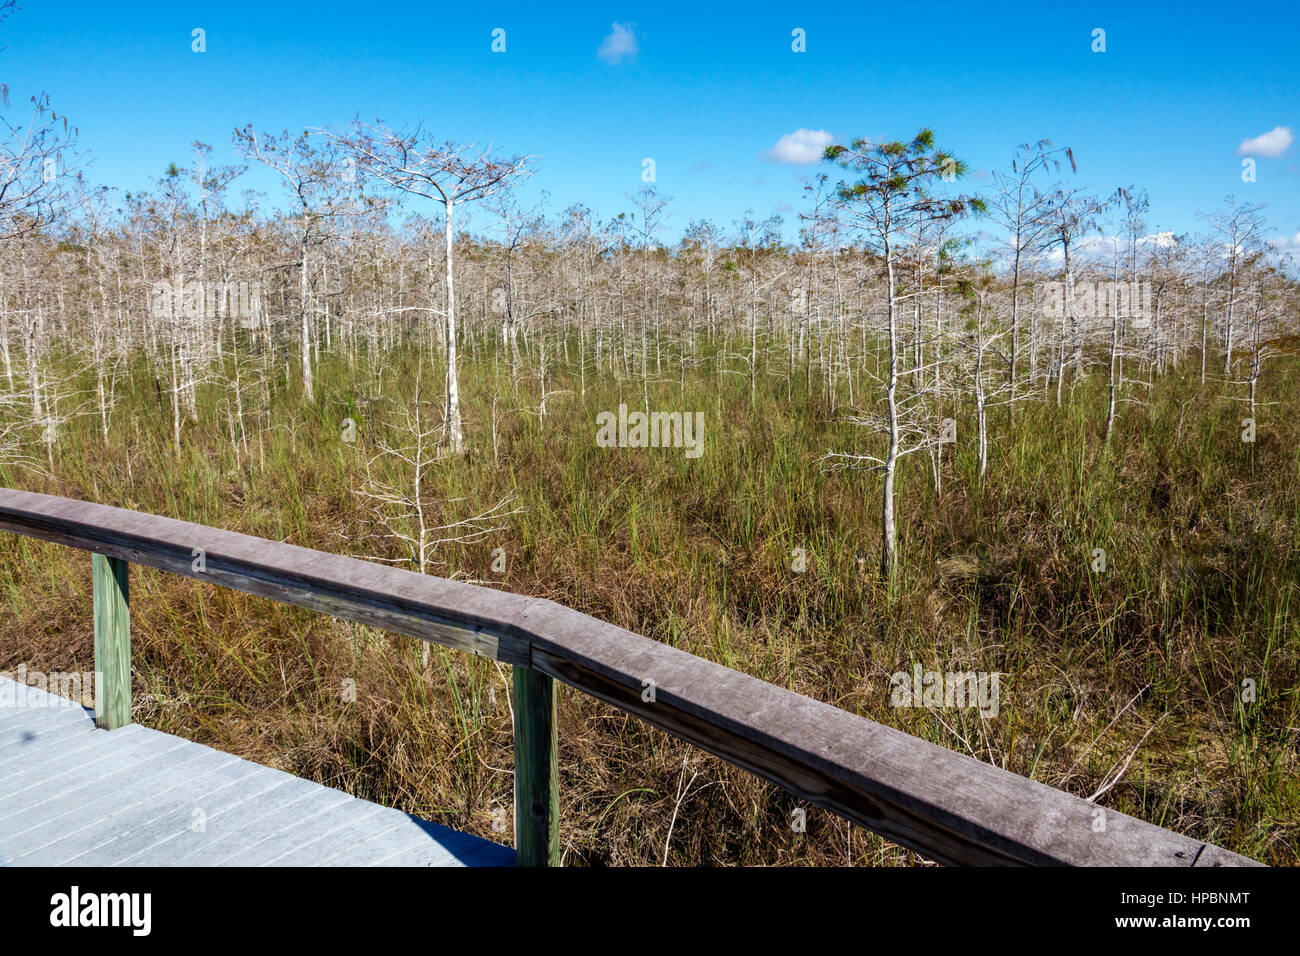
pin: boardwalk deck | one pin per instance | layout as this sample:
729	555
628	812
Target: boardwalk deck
71	794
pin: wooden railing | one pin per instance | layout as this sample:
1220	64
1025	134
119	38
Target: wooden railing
949	807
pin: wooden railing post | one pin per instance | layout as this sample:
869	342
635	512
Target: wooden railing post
537	789
112	643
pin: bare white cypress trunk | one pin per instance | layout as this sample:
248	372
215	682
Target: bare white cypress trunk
888	528
307	389
455	436
1232	301
1112	382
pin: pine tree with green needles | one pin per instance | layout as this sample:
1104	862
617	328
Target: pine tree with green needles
890	192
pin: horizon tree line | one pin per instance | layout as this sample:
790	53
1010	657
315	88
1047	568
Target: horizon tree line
888	310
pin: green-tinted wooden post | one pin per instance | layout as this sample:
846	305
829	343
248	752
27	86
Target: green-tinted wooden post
112	643
537	787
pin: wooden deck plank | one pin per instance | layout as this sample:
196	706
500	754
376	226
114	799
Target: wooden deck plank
107	821
62	762
12	739
302	828
168	839
115	815
45	764
33	715
15	728
81	807
14	717
276	813
333	827
42	801
74	794
397	834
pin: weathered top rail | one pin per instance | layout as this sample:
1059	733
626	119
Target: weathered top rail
949	807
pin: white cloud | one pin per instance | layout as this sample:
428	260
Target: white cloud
1101	248
801	147
620	44
1284	245
1272	144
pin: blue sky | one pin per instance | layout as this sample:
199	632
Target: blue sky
708	93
